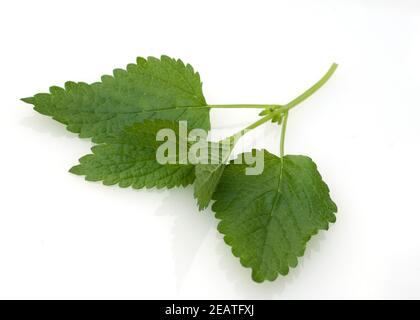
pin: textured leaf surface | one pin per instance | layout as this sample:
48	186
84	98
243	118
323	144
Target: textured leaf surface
150	89
267	219
207	176
129	159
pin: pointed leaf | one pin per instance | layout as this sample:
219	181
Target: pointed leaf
163	88
129	159
207	176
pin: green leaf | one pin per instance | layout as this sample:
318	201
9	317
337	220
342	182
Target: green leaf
163	88
267	219
207	176
278	118
129	159
266	111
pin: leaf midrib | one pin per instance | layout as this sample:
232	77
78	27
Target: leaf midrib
276	200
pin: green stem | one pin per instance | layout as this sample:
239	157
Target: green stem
243	106
312	89
283	133
234	138
289	105
284	109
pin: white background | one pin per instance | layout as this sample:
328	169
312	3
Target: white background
62	237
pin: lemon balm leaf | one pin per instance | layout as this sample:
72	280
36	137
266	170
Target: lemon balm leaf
268	219
207	175
207	179
129	159
151	88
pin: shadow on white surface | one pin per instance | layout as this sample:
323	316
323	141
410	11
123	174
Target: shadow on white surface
189	231
246	288
45	125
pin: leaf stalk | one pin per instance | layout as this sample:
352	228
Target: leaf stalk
283	133
277	109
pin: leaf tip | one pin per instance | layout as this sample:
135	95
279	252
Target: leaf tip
201	206
29	100
77	170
